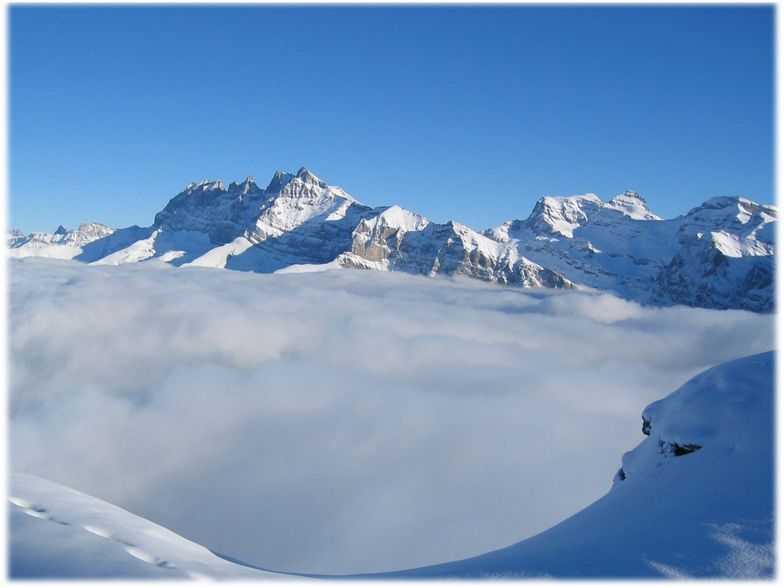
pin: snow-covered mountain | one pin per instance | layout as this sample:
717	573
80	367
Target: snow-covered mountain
694	499
718	255
62	244
725	259
397	239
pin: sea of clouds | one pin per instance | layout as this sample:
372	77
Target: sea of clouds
343	421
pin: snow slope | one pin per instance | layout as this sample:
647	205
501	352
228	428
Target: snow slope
694	499
57	532
719	255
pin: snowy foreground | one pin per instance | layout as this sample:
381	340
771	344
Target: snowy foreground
347	422
57	532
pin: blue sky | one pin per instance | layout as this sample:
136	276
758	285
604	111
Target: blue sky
465	113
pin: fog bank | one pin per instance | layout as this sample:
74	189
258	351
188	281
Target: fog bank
343	421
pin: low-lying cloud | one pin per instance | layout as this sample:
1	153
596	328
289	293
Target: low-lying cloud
343	421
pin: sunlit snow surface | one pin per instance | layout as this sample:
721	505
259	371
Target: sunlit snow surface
60	533
340	421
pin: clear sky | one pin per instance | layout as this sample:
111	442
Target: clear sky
465	113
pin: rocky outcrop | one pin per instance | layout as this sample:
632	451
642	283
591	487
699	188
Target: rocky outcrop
702	275
404	241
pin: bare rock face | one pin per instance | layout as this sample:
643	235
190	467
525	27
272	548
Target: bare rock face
718	255
702	275
404	241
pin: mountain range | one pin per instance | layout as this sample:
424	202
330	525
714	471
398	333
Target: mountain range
718	255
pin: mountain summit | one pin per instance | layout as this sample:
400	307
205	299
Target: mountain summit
632	205
718	255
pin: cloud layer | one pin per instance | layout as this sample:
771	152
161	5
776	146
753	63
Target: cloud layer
342	421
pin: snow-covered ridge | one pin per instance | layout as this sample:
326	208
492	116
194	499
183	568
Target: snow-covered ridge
404	241
562	215
718	255
60	533
62	243
632	205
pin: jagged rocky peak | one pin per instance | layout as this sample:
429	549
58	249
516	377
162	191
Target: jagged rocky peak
632	205
204	186
60	230
246	187
305	185
281	180
278	181
562	214
629	196
309	177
